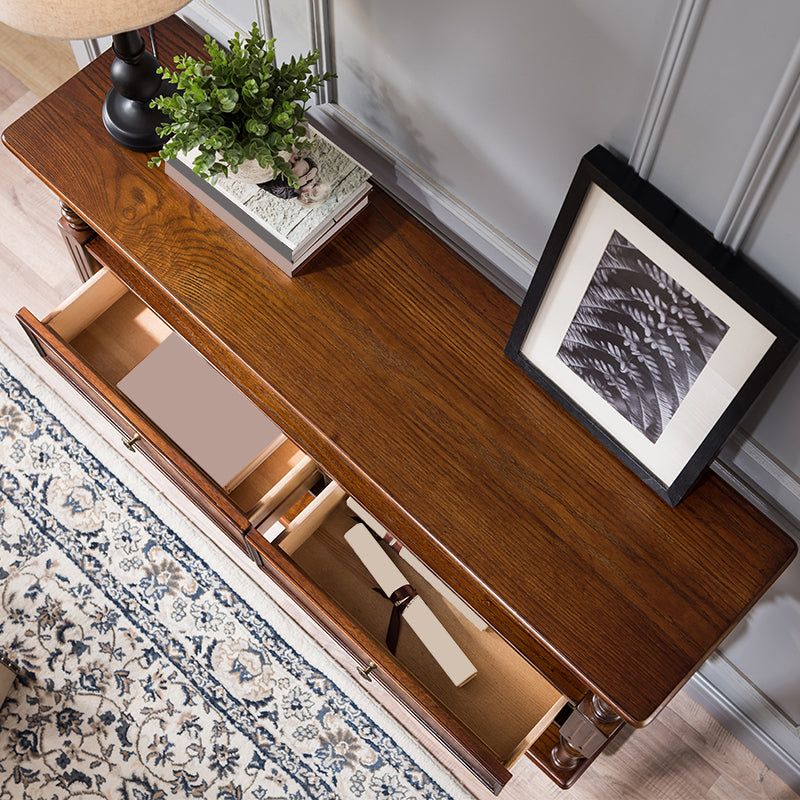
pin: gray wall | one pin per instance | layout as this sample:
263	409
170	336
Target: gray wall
475	114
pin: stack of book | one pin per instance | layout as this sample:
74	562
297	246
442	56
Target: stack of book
278	219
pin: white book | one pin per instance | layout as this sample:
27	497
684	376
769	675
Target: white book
404	553
285	231
433	635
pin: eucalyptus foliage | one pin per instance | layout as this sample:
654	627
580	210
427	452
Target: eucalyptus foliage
238	105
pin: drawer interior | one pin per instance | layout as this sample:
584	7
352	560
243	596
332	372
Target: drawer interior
507	704
113	332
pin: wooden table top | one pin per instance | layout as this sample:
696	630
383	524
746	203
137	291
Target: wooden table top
385	363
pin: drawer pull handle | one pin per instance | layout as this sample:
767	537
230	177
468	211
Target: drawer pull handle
129	443
365	671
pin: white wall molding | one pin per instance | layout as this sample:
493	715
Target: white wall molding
322	40
746	465
764	159
764	737
264	18
750	449
86	50
763	480
207	18
494	255
669	75
504	263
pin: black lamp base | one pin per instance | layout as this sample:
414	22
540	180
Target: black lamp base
132	123
126	110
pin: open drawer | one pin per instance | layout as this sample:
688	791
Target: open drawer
491	719
101	338
107	343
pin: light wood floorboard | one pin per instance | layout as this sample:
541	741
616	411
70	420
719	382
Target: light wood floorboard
683	755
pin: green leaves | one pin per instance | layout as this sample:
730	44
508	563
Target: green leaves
238	104
250	89
282	120
256	128
226	99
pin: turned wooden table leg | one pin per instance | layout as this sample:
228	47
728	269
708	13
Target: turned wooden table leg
76	233
585	732
600	712
565	756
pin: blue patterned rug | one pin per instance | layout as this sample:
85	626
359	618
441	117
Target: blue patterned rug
151	666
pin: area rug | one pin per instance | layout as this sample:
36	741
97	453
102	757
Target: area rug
151	666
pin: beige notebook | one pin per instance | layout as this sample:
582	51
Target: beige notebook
431	632
200	410
404	553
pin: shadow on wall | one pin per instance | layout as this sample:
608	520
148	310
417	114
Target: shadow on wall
497	105
380	107
773	627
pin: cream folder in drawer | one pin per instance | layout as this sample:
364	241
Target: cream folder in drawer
420	618
200	410
416	564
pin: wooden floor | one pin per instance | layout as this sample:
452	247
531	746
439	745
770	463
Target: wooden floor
683	755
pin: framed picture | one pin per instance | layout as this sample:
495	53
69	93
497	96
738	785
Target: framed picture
648	331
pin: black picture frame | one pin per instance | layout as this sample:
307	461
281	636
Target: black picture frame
648	331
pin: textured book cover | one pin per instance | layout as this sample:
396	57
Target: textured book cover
271	215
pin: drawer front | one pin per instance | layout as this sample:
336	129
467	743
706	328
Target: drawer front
378	665
147	439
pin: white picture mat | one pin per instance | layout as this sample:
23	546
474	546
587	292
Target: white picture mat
199	409
742	347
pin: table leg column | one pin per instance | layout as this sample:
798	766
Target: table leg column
76	233
585	732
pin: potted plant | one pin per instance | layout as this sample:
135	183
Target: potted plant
239	109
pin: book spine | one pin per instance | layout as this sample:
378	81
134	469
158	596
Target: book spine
268	245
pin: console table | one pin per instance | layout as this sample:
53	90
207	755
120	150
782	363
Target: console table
383	366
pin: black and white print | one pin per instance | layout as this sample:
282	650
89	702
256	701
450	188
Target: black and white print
638	338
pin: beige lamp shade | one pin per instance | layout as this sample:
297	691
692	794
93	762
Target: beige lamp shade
84	19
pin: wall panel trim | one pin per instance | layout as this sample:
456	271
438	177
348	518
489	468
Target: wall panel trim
763	480
669	75
713	687
264	18
493	254
322	40
764	159
207	18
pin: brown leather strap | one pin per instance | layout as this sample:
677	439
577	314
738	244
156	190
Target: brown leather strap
400	599
392	542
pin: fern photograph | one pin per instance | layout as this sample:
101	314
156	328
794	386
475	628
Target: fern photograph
638	338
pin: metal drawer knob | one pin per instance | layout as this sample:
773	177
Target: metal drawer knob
129	443
365	671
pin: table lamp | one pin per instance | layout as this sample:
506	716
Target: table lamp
126	110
